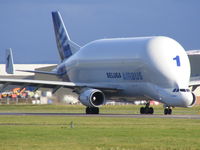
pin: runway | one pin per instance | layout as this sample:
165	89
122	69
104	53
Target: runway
106	115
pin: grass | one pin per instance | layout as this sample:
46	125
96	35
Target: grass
96	133
118	109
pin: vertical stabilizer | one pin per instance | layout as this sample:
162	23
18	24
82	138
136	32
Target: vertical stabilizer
65	46
9	61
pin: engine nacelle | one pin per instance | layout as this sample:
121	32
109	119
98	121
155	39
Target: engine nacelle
92	98
193	101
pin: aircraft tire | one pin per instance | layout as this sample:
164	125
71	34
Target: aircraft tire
151	110
167	111
142	110
92	110
146	110
170	111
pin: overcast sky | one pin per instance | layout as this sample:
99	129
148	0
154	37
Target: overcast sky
26	25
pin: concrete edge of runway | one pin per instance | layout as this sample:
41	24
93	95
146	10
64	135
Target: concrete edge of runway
106	115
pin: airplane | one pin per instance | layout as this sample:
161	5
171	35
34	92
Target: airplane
135	68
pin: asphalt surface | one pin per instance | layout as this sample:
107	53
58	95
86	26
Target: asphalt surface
106	115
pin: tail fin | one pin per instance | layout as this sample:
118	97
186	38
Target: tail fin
9	61
65	46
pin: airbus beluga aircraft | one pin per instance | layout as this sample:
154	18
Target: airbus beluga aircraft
140	68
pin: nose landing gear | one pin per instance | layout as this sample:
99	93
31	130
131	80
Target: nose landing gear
147	109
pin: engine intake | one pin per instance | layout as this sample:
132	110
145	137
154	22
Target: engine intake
92	97
193	101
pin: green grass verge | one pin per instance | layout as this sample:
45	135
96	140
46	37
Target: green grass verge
118	109
96	133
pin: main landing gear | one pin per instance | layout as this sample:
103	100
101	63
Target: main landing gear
92	110
167	111
147	109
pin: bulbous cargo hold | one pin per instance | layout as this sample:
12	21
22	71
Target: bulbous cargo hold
159	60
170	60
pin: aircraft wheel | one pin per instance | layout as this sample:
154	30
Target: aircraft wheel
92	110
167	111
151	110
146	110
170	111
142	110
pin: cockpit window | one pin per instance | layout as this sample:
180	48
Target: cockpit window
183	90
187	90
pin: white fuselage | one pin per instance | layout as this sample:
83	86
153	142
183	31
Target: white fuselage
144	68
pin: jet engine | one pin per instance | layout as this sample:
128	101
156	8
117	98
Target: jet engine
193	101
92	98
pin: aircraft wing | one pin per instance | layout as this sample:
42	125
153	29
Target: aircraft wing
54	84
40	72
194	83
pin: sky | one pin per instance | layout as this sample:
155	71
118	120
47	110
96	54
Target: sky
26	25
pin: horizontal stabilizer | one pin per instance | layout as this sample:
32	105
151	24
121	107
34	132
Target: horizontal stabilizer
39	72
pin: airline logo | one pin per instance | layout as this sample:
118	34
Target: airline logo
125	75
61	36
